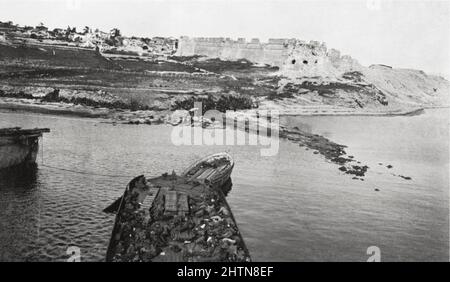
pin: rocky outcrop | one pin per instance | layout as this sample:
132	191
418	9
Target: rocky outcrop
407	86
314	75
370	90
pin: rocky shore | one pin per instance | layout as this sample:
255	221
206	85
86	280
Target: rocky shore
102	105
115	111
332	151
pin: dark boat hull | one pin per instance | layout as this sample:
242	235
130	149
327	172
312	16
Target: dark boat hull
19	147
15	154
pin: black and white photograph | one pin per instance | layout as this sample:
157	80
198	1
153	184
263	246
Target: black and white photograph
224	131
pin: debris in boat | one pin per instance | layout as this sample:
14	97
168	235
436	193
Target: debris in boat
140	185
188	220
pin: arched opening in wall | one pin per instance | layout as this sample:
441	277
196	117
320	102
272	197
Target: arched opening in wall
293	62
305	62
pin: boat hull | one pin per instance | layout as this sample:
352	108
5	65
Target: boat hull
15	152
208	170
197	198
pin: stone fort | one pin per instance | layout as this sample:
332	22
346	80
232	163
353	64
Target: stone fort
287	54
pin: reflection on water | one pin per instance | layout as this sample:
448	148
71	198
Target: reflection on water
292	207
19	178
19	206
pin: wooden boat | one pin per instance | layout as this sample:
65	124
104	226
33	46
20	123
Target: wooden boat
213	170
19	146
178	218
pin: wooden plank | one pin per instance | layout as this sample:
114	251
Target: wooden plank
170	203
206	173
19	132
9	129
197	173
183	205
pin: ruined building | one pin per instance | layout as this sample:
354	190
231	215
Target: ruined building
290	55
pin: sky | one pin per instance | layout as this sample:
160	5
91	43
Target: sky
400	33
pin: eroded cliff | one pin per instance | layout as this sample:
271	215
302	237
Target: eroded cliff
311	76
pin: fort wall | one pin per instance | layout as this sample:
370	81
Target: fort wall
273	52
292	55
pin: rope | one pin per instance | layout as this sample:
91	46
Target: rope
42	150
87	173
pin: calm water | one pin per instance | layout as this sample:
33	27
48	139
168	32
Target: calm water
291	207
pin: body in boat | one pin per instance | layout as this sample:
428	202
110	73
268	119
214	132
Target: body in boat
188	218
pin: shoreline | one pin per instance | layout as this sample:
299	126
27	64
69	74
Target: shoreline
331	151
50	110
416	111
62	109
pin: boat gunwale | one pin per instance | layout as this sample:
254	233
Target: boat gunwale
17	131
218	177
206	158
112	242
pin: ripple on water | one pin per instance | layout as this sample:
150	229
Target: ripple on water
290	207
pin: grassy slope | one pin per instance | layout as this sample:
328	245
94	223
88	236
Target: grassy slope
131	79
84	71
50	57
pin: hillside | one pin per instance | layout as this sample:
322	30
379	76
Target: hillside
41	55
367	90
290	75
406	86
310	74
